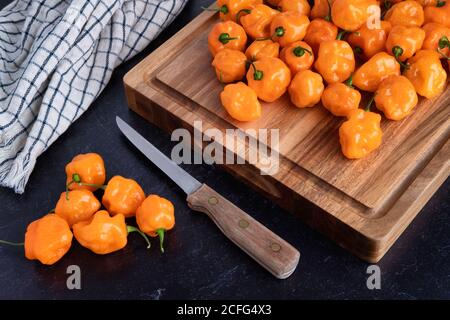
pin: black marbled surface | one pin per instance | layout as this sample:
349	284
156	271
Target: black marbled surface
199	262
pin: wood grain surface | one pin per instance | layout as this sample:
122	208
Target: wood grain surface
363	205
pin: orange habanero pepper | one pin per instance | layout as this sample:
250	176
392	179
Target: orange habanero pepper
426	73
360	134
350	15
228	35
156	216
47	239
320	30
437	38
369	76
300	6
122	196
440	13
241	102
321	9
76	205
230	65
86	171
257	22
262	48
288	27
341	98
335	61
407	13
298	56
269	78
369	41
232	9
306	89
396	97
403	42
103	234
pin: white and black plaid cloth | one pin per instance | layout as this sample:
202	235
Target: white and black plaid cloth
55	58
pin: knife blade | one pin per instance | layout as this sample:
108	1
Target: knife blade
272	252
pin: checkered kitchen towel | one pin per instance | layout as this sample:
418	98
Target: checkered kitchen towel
56	56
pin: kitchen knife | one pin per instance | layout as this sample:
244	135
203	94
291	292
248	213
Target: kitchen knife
264	246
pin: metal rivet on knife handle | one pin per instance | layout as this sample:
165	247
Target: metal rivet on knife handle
243	223
213	201
275	247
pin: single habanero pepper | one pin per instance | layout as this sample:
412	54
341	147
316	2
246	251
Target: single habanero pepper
257	22
288	27
320	30
76	205
298	56
232	9
86	171
230	65
440	13
103	234
47	239
300	6
228	35
335	61
241	102
437	38
155	216
306	89
269	78
369	41
341	98
396	97
321	9
407	13
426	73
350	15
360	134
403	42
122	196
262	48
369	76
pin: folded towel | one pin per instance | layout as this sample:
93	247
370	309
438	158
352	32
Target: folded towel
56	56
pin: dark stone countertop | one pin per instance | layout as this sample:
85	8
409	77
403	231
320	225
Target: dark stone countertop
199	262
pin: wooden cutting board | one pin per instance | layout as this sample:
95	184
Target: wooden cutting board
364	205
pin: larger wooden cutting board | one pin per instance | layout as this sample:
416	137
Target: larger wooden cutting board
363	205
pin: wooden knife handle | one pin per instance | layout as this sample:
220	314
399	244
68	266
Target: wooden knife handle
268	249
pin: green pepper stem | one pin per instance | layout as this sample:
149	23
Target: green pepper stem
76	178
341	34
224	38
279	32
440	3
16	244
328	16
369	104
349	82
257	74
238	15
160	233
131	229
397	51
223	9
300	51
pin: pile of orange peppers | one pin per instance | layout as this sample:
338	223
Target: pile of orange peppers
78	214
330	53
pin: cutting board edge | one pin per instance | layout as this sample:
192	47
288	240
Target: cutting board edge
359	235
